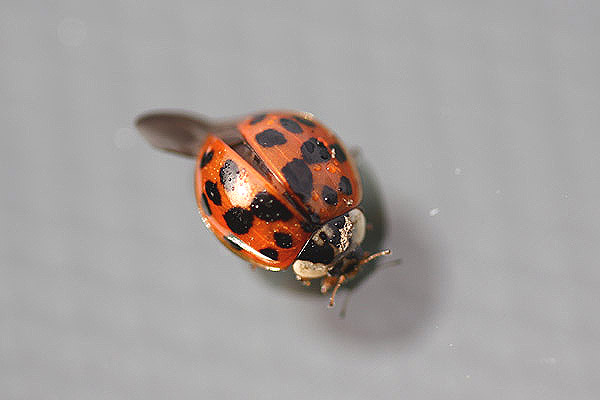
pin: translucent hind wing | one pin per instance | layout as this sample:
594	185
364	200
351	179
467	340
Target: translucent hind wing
181	133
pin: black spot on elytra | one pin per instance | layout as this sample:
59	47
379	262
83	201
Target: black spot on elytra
298	176
232	243
270	138
206	157
329	195
228	174
290	125
339	152
266	207
345	186
212	192
283	240
271	253
323	236
317	254
239	220
314	151
304	121
257	118
205	205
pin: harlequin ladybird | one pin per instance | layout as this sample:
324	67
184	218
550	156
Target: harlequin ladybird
279	189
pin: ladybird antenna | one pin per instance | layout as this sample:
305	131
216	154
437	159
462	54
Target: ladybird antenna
340	280
374	256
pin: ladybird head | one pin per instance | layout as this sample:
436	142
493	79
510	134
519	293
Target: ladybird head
331	243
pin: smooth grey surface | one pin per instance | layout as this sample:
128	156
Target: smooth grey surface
480	120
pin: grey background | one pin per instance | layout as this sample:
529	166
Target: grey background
488	112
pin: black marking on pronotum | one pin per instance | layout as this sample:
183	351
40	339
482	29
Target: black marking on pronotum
345	186
239	220
257	118
283	240
266	207
232	243
299	177
206	157
329	196
336	226
212	192
304	121
338	222
339	152
270	138
205	205
323	236
314	151
228	175
271	253
290	125
317	254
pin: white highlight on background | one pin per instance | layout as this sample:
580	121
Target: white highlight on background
433	212
548	361
71	32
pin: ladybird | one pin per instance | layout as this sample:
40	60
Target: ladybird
278	189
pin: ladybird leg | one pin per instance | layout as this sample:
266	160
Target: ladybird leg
304	281
340	280
327	283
